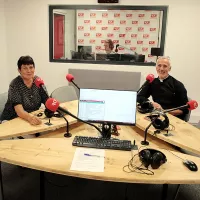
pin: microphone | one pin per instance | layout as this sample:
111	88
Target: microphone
116	48
191	105
149	79
159	124
53	105
40	84
70	79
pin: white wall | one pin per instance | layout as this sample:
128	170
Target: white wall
27	33
3	51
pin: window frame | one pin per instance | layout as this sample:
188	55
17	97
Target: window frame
104	7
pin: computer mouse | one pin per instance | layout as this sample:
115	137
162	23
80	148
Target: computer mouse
190	165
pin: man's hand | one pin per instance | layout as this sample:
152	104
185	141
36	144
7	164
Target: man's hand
157	105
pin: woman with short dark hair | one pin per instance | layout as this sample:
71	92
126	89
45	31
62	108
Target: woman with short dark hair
24	96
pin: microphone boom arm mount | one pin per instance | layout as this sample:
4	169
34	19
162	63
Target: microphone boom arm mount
67	134
145	142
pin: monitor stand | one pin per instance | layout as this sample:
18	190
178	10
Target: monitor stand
106	130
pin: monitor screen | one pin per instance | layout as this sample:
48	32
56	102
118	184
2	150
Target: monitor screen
113	57
127	57
101	56
108	106
108	57
85	49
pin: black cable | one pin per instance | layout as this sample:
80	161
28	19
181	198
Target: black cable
172	127
133	168
173	154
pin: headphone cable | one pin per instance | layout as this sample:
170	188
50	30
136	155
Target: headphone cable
133	168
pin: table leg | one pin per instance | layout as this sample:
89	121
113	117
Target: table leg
1	184
164	192
42	186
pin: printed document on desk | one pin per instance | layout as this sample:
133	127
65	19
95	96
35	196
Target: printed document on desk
88	159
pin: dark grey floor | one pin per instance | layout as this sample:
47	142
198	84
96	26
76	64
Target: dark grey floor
24	184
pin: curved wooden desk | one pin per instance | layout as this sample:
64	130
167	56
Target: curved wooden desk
185	135
55	155
19	127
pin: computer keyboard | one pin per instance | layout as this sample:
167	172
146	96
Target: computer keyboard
102	143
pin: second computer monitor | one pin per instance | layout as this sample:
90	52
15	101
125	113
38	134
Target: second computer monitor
108	106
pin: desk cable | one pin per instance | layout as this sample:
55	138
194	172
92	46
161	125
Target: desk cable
130	167
173	154
158	131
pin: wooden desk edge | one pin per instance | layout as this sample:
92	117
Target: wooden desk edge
164	138
94	177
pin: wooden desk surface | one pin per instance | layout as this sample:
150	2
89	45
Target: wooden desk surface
20	127
56	154
185	135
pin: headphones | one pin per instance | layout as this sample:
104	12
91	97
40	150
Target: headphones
152	157
159	123
145	107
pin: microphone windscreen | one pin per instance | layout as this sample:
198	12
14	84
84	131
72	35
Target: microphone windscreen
52	104
150	78
70	77
116	49
38	82
192	104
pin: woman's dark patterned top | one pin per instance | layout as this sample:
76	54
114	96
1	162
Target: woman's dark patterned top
19	93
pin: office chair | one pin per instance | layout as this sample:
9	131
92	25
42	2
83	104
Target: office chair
3	99
64	94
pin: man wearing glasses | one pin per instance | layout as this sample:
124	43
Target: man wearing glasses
166	91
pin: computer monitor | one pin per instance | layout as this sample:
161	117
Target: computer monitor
101	56
139	58
107	106
127	57
85	49
155	51
82	56
76	55
107	57
113	57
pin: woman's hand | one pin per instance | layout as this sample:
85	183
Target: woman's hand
33	120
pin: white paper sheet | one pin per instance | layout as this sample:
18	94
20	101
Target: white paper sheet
88	159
